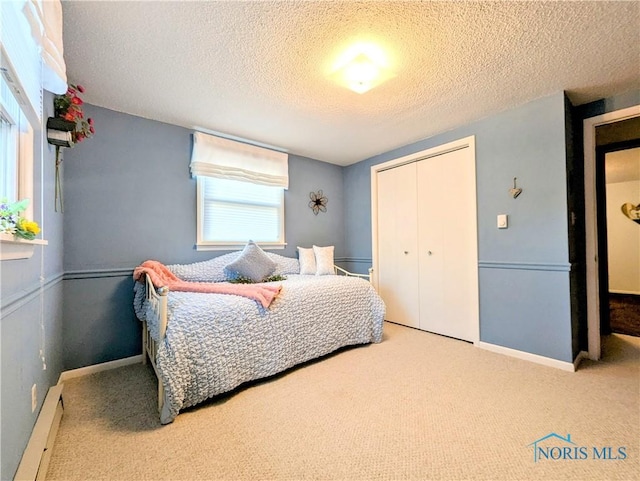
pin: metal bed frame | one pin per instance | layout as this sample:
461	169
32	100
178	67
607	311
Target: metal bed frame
157	299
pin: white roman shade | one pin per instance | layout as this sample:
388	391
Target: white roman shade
45	18
31	54
20	58
227	159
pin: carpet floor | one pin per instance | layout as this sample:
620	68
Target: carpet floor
416	406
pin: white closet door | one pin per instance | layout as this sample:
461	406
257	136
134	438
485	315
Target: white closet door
398	244
431	258
447	229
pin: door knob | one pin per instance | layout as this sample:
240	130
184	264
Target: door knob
429	252
406	252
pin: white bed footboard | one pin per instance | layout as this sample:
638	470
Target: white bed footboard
342	272
157	299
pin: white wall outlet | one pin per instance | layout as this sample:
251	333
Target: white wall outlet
34	397
503	222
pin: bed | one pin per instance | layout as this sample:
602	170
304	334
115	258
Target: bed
201	344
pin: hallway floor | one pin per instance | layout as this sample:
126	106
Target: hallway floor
625	313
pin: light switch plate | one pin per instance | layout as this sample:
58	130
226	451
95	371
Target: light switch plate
502	221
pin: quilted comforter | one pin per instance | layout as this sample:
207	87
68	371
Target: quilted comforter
215	342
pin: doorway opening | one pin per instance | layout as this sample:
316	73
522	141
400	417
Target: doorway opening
595	291
618	206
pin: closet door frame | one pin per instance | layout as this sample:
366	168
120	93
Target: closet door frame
466	142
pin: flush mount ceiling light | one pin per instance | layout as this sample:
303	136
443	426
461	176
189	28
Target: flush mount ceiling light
362	68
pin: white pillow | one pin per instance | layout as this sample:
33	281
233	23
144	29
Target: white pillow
324	260
307	259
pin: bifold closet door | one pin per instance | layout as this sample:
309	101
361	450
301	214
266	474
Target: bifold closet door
398	244
447	232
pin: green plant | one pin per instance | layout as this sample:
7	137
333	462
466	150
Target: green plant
246	280
11	222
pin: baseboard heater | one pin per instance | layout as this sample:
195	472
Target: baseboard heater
37	454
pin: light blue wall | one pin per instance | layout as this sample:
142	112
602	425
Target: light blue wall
129	197
31	319
517	265
110	226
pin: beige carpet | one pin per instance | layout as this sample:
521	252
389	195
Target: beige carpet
416	406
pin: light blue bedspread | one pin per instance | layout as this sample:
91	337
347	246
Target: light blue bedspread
216	342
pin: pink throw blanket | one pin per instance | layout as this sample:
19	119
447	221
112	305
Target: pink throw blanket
161	276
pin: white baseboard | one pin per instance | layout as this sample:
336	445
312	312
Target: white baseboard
527	356
105	366
615	291
35	459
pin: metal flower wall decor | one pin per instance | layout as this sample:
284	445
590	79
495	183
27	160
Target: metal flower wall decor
318	202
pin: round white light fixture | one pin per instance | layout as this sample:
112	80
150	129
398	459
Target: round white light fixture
361	68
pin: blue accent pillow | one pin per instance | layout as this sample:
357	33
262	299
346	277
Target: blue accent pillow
253	263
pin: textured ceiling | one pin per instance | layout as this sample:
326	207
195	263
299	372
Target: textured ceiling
258	70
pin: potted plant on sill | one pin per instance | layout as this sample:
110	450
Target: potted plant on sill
67	128
13	223
17	233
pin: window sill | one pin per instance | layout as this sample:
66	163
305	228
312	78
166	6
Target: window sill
12	248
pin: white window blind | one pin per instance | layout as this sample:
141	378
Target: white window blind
11	121
8	160
235	212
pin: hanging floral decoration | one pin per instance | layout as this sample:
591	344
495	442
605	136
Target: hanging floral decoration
318	202
69	107
12	222
69	118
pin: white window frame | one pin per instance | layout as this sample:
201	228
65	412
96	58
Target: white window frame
11	247
21	99
9	145
206	245
12	112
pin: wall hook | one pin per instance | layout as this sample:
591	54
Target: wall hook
515	191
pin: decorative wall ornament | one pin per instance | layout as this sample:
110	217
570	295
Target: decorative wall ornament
515	191
66	129
318	202
631	211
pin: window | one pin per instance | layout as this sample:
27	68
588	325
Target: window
8	157
16	168
16	150
30	59
9	141
232	212
240	191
